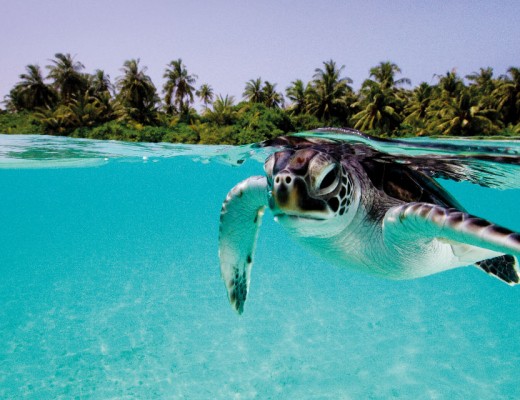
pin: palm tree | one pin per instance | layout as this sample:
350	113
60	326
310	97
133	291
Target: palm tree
450	84
507	96
100	88
86	111
482	86
381	102
328	92
446	95
483	80
298	93
178	87
99	84
32	92
205	94
223	112
379	109
68	80
272	99
14	101
54	121
417	108
254	92
137	94
385	72
462	115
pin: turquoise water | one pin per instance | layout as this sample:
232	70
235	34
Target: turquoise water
110	288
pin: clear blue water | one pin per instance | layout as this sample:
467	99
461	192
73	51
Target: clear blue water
110	288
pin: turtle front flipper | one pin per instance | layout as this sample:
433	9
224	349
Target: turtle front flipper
240	220
473	240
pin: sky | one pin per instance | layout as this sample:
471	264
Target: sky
228	42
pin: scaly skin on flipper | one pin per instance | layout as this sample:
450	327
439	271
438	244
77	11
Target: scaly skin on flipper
427	221
504	268
240	221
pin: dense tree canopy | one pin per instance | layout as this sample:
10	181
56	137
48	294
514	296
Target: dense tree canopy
69	101
32	92
137	97
67	77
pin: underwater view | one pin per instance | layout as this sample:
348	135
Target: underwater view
110	287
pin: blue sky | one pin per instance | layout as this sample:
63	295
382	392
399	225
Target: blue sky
228	42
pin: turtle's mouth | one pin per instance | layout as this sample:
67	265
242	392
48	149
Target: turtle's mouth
278	215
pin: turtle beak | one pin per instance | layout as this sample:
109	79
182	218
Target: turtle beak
284	191
290	196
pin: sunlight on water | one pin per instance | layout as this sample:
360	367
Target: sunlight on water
110	288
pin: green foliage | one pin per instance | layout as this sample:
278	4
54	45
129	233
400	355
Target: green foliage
298	93
304	122
68	80
223	113
463	116
178	88
137	98
380	101
264	93
205	94
258	115
213	134
109	131
31	92
181	133
73	103
114	130
329	94
19	123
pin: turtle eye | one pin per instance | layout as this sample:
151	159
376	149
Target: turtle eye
328	180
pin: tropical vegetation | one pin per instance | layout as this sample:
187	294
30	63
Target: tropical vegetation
68	101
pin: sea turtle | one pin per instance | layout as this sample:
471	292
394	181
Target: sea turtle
363	209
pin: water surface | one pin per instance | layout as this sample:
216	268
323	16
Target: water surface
110	288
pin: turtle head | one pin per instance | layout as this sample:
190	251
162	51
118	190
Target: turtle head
309	189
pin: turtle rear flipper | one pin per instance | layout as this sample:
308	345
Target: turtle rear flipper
504	268
240	220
